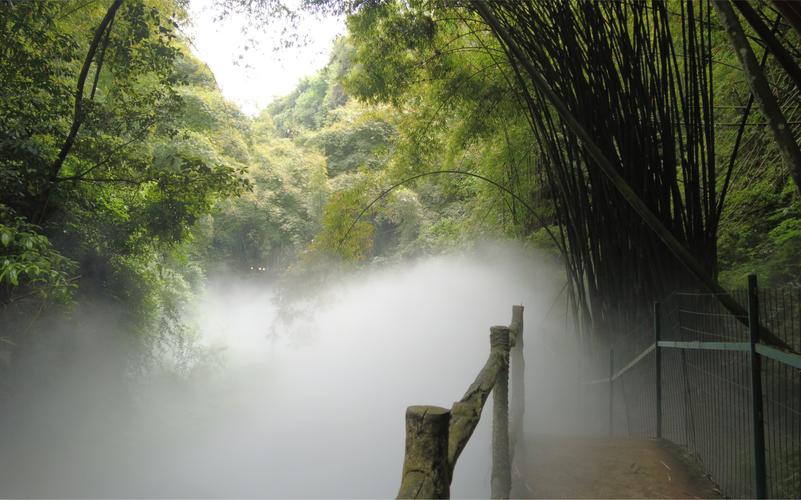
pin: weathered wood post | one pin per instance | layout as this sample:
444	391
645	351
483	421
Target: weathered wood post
435	437
426	473
518	369
501	483
518	403
758	443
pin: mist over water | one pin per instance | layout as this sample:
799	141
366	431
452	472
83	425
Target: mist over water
309	406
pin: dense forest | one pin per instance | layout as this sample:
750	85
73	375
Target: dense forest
622	149
126	179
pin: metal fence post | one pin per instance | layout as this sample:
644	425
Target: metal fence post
611	392
658	367
756	389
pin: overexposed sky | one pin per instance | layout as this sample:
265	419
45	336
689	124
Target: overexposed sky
252	76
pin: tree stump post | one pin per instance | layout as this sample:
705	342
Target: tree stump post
501	464
426	472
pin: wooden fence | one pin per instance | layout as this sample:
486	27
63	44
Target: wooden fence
435	436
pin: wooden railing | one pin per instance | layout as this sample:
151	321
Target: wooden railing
435	436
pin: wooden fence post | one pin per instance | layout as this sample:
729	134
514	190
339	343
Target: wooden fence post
426	472
518	369
501	482
658	367
756	390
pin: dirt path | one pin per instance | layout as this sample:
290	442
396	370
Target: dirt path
609	468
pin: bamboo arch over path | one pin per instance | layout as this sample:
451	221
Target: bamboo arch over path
454	172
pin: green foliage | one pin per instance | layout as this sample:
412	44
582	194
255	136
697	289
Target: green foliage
268	226
398	222
762	233
392	38
307	107
341	232
166	178
28	257
354	139
392	226
455	112
156	148
36	73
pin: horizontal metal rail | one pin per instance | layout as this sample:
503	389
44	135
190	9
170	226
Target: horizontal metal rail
627	367
710	346
788	358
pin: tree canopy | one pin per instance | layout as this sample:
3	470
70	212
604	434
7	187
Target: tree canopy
125	173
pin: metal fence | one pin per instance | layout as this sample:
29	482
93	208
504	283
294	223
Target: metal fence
698	376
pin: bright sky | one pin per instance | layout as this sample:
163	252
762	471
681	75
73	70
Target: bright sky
263	72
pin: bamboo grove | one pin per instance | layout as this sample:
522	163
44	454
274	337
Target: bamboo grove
644	93
639	78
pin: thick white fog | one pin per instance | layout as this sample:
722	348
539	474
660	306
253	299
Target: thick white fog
306	406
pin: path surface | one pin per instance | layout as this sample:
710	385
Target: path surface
609	468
